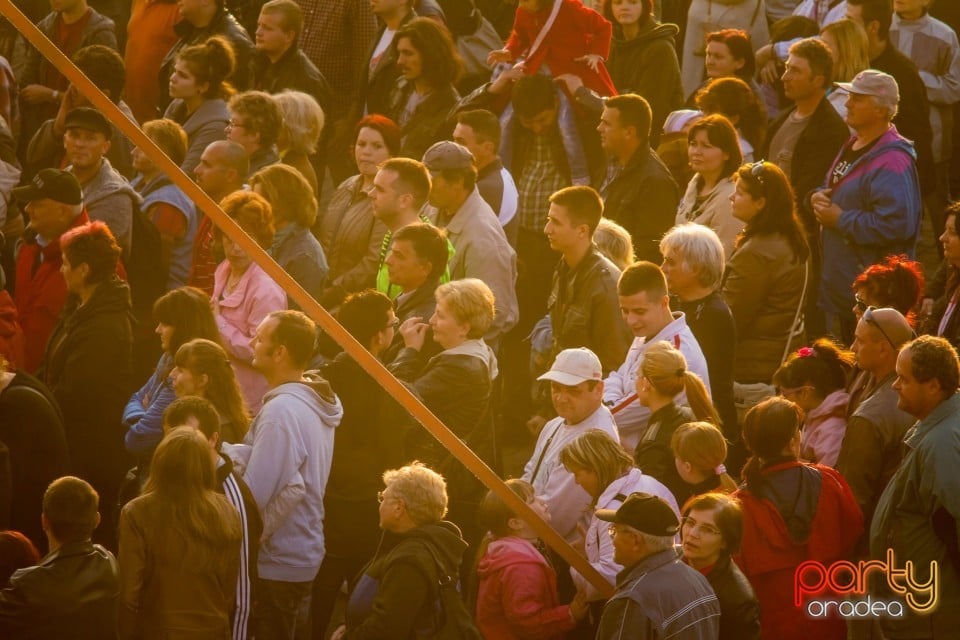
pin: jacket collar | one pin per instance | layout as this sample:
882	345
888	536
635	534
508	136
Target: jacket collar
457	221
186	29
645	566
944	410
65	551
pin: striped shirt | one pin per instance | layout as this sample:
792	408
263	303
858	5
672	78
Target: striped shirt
244	601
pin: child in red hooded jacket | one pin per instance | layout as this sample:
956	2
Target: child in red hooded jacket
517	587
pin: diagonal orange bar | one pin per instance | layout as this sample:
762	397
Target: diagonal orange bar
310	306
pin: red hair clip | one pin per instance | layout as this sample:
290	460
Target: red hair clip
805	352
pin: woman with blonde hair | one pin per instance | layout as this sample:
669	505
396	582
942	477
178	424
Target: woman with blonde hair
179	547
847	42
607	473
664	376
699	451
614	242
202	368
294	207
243	293
302	124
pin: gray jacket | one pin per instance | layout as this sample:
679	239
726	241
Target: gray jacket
661	597
111	199
205	125
300	254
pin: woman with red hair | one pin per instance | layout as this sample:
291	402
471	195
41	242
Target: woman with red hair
896	283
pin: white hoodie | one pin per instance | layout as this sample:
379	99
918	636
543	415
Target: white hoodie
293	434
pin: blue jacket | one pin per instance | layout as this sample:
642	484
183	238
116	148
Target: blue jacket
145	425
880	200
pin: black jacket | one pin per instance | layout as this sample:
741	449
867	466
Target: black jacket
653	454
31	426
351	519
88	368
913	113
643	198
223	24
293	71
712	325
739	609
648	66
376	88
585	310
816	149
419	304
429	122
397	593
72	593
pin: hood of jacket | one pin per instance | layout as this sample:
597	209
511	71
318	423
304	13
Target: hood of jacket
834	405
508	551
107	182
315	393
444	537
477	348
650	32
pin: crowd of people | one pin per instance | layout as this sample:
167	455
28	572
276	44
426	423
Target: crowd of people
685	273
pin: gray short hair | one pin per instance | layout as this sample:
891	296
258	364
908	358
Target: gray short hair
423	491
890	104
700	248
656	544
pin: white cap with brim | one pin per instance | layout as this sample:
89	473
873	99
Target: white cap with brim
573	366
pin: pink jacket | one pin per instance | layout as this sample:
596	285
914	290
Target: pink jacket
238	314
517	594
823	430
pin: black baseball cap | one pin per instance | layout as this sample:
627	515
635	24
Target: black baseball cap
644	512
89	120
57	185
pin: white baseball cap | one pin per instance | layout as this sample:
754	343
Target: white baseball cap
573	366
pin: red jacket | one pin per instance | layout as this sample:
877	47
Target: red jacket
769	553
11	335
576	32
517	594
41	293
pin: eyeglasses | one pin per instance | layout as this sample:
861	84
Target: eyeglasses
393	325
233	124
382	496
690	524
861	304
756	170
613	531
868	316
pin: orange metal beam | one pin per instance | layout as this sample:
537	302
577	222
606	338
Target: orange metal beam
310	306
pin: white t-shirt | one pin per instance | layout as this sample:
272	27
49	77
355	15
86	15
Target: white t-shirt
385	41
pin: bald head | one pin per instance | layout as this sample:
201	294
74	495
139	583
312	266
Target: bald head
222	169
879	336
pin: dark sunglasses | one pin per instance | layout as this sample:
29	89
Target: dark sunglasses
756	170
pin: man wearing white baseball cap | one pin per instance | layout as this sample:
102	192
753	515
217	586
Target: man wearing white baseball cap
870	205
576	389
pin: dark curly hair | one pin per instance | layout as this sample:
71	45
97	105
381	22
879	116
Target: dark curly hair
824	366
442	64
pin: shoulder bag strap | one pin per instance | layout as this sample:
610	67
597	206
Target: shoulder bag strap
796	317
543	452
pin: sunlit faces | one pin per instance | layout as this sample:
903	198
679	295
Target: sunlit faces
720	62
465	135
910	9
702	540
211	173
383	196
141	163
191	9
370	151
392	508
613	135
587	479
48	218
443	193
409	60
704	156
914	396
271	37
680	277
165	331
862	110
798	79
561	231
578	402
73	275
234	253
951	241
186	383
239	130
84	148
448	331
743	205
627	11
624	543
183	84
868	346
644	316
262	344
404	267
